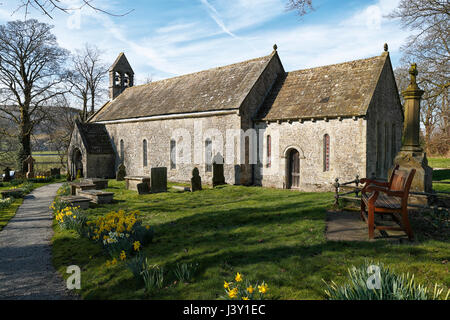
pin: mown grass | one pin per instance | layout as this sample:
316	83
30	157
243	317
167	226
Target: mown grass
266	234
6	214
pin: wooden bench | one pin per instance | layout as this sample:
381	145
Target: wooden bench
387	198
97	196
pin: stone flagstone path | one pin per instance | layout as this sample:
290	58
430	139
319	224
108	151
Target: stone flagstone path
26	270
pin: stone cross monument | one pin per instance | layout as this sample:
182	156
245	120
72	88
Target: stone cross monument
411	155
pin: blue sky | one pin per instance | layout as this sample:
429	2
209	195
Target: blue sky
165	38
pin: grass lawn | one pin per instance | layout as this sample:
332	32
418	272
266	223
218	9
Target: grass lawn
8	213
265	234
442	163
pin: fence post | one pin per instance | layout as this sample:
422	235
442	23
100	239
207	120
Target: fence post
336	194
357	184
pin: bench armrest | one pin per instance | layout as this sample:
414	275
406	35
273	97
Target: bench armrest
375	182
372	188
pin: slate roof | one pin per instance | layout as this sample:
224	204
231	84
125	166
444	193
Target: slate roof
223	88
344	89
95	138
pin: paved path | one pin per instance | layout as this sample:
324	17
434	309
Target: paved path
347	226
26	270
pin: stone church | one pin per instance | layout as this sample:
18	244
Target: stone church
272	128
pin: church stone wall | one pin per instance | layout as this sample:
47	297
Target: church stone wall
159	134
347	152
384	125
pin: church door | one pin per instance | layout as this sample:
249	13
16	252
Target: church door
294	170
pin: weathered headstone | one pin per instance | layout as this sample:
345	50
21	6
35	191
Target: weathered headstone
196	180
218	172
30	165
121	172
158	181
7	176
143	188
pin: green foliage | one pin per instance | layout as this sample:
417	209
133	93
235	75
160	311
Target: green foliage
71	218
184	272
78	174
65	190
118	242
6	203
136	266
392	286
153	276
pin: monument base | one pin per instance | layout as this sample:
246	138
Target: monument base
423	179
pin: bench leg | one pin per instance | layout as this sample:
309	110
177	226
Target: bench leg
371	221
406	224
363	210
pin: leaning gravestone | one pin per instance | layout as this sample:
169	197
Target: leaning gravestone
7	177
158	181
218	172
121	173
196	181
143	188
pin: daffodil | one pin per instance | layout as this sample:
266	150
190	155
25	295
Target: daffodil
233	293
226	285
136	245
250	289
263	288
123	255
238	277
245	298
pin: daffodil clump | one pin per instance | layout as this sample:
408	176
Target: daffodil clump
6	202
241	289
120	233
71	218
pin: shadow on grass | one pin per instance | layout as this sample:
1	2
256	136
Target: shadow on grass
439	175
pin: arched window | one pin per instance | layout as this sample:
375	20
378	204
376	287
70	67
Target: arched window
126	80
144	153
269	151
122	151
208	155
173	154
326	153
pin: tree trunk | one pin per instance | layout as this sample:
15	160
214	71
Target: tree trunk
24	140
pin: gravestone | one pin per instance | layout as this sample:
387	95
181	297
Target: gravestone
218	172
196	180
30	165
158	182
7	177
121	173
143	188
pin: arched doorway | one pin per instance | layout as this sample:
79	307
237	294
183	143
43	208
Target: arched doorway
77	162
293	169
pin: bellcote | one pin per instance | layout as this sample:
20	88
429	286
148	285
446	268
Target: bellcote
121	76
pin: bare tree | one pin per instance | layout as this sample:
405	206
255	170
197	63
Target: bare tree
59	128
302	7
88	74
47	7
30	76
429	48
